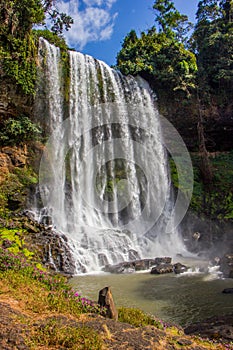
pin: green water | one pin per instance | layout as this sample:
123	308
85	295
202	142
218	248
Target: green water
177	299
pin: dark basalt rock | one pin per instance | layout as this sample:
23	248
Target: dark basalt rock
52	247
161	269
179	268
136	265
228	291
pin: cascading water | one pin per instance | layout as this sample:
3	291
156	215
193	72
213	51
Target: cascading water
103	176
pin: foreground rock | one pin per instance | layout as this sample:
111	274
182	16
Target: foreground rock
106	301
214	328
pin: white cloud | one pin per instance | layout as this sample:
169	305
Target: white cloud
94	21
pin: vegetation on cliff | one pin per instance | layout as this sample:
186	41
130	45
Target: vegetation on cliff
18	51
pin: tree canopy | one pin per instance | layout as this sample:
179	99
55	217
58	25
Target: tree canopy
18	50
161	56
213	44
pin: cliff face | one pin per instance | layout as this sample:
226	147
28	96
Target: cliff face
12	100
217	122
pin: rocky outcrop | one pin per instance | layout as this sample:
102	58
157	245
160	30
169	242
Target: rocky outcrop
159	265
11	157
49	246
12	101
217	327
136	265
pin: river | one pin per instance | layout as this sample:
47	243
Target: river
180	299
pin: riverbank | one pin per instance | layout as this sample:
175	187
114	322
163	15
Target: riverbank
40	310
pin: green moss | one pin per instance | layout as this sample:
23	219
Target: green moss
137	318
18	57
14	189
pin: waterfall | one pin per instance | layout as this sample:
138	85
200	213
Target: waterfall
104	176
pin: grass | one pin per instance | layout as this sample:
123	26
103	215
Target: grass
57	317
54	333
137	318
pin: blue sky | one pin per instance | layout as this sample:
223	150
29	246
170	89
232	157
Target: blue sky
101	25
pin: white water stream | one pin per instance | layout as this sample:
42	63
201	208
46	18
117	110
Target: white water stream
104	177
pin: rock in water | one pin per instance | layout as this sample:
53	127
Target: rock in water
226	265
163	268
228	291
106	300
179	268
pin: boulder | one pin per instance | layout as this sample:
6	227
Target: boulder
226	265
124	267
143	264
136	265
162	260
228	291
161	269
179	268
107	304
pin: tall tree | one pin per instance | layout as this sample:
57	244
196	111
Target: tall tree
171	21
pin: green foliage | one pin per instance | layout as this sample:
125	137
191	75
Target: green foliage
18	51
19	130
51	37
212	40
14	189
18	58
137	318
162	60
15	242
171	22
217	202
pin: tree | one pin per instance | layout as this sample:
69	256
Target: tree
17	17
161	57
213	38
18	50
170	21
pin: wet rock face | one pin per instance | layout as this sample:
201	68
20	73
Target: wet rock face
179	268
52	246
226	265
130	266
161	269
11	157
158	266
